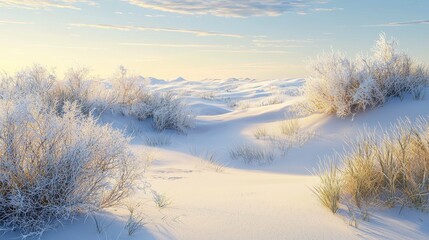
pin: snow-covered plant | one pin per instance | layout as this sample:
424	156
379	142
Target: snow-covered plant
38	82
260	133
328	88
76	88
161	200
128	89
209	159
290	127
135	221
126	95
250	153
171	113
343	86
33	81
168	111
53	167
156	140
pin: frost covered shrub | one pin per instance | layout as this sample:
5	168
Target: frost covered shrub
327	89
388	170
343	86
171	113
127	95
39	82
168	111
75	88
128	90
34	81
53	167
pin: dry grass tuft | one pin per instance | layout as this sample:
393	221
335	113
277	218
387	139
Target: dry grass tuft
329	189
388	170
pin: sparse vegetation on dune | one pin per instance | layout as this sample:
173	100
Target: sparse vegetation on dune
209	159
329	190
135	221
344	86
389	170
56	160
249	153
260	133
289	134
161	200
155	140
127	95
54	167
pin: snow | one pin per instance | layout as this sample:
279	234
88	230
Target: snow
244	201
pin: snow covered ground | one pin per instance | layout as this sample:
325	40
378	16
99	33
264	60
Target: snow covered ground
213	196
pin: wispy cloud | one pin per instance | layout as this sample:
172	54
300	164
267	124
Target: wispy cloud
220	48
53	46
143	28
229	8
154	15
252	51
401	24
102	26
15	22
46	4
286	43
327	9
269	66
173	45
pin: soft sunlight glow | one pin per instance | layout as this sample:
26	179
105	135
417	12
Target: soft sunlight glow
199	39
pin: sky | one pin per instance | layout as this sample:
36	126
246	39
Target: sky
198	39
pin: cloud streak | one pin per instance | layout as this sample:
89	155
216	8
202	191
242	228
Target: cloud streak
213	48
287	43
46	4
15	22
251	51
173	45
401	24
327	9
229	8
143	28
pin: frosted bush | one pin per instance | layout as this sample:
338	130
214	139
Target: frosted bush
328	89
343	86
127	95
171	113
128	89
55	160
53	167
76	88
38	82
368	94
168	111
33	81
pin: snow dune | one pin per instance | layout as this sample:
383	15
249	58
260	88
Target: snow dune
245	201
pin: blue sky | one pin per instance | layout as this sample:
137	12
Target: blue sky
199	39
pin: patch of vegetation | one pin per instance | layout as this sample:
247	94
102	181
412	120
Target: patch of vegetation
343	86
388	170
